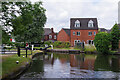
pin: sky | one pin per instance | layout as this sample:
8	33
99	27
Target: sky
59	12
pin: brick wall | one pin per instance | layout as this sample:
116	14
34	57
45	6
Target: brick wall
53	34
63	36
83	35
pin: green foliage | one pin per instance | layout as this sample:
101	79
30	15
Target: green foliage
102	42
5	37
79	47
20	44
90	48
59	44
27	22
115	33
48	43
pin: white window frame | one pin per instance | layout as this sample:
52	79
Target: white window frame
77	34
88	33
50	36
94	33
55	37
77	23
90	42
73	33
76	41
90	24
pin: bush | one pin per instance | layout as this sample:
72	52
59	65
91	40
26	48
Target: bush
48	43
59	44
102	42
114	34
20	44
79	46
90	48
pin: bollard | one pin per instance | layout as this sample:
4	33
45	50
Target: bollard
17	62
18	52
83	45
26	52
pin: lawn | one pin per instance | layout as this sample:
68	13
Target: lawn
9	62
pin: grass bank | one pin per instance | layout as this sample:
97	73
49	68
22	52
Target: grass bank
9	62
88	48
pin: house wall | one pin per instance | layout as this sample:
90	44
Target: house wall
46	37
83	35
53	34
63	36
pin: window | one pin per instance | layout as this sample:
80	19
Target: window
54	36
94	33
90	33
90	23
73	33
90	42
76	42
78	33
50	36
77	23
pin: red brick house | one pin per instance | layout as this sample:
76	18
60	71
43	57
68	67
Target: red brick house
81	30
64	35
49	34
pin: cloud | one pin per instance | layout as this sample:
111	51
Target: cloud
59	12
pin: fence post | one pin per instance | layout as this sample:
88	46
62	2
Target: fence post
83	45
18	51
26	52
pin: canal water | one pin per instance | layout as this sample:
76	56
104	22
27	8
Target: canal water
58	65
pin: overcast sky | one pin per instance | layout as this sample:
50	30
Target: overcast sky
59	12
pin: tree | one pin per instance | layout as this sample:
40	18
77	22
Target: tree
28	26
5	36
102	42
115	33
9	12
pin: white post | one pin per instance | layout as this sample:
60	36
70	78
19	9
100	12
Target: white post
52	46
32	47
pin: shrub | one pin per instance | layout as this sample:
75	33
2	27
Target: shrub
102	42
114	34
48	43
90	48
20	44
59	44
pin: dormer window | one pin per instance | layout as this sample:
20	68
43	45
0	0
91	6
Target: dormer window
77	23
90	23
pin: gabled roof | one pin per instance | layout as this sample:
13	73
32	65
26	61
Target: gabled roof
83	23
102	29
67	31
47	31
105	30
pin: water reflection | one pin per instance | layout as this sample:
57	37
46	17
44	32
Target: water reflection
53	65
107	63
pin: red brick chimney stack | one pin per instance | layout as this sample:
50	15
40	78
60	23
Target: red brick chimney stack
52	30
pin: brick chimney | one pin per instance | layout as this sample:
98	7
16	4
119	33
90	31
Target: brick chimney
52	30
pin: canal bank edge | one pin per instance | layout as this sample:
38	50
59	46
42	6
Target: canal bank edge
71	51
21	70
79	51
